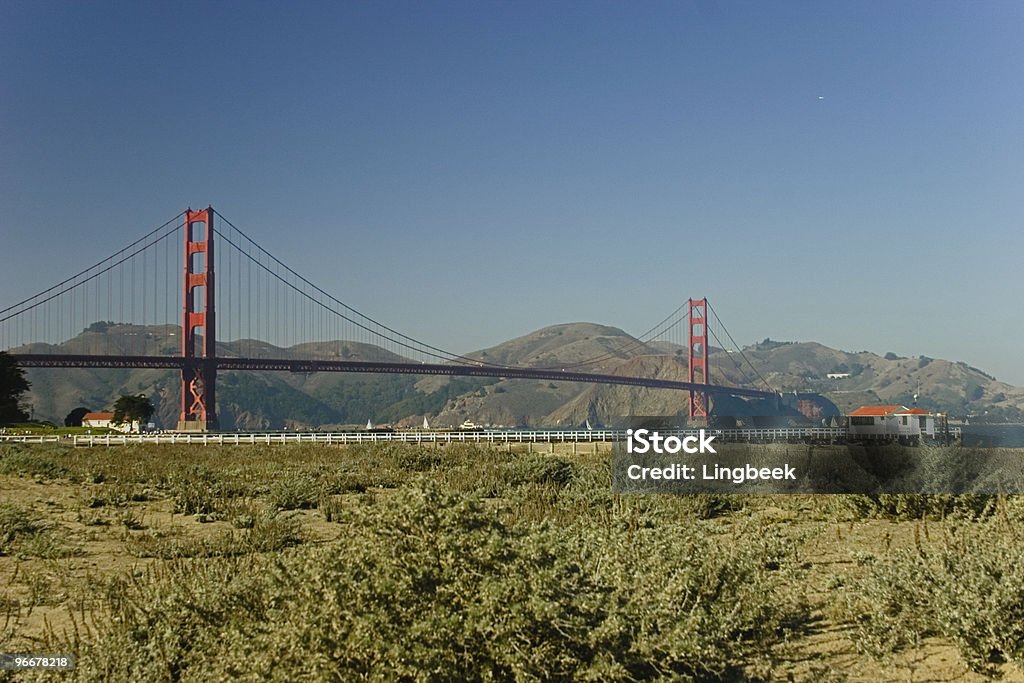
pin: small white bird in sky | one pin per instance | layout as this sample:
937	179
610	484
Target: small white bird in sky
821	97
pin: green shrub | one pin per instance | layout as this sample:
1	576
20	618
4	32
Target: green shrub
331	508
690	605
24	533
970	589
116	495
271	532
294	491
196	498
17	524
241	513
268	532
418	459
711	505
909	506
22	461
540	469
199	490
434	586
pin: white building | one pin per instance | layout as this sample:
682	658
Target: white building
891	422
106	420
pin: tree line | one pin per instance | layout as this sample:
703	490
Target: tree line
14	385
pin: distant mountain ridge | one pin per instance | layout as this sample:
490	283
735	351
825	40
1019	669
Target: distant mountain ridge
270	401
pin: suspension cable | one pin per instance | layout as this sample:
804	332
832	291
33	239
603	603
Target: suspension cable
743	355
88	279
97	265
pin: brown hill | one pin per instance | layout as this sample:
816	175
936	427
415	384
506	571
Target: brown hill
585	347
947	386
598	347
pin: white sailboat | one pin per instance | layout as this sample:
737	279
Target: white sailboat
426	425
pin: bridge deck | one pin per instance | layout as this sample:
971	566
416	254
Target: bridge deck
449	369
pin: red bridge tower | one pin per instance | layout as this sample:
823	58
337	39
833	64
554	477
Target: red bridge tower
698	343
199	373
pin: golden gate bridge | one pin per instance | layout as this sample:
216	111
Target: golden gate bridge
197	280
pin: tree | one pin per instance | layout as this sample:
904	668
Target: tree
74	418
128	409
12	386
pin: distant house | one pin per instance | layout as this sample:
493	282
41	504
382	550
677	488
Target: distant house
891	422
106	420
838	375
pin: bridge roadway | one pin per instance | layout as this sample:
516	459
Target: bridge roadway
40	360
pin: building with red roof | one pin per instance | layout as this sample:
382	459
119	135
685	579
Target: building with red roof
891	422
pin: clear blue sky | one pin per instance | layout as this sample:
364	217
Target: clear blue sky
469	172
